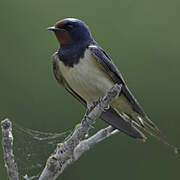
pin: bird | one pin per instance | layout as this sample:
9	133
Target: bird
87	72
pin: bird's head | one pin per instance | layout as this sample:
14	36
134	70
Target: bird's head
70	31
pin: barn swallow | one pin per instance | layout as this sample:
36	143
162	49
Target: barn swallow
87	72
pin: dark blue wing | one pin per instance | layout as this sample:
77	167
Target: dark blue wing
113	72
116	76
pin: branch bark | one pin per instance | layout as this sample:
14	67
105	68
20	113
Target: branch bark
69	151
86	144
75	146
7	144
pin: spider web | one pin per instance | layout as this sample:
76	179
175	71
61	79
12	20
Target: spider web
32	148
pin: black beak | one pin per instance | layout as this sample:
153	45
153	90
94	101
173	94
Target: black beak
53	28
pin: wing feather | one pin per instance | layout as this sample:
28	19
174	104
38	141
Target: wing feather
102	58
142	120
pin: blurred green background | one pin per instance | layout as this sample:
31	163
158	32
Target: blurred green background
143	39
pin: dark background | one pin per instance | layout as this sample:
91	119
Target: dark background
143	39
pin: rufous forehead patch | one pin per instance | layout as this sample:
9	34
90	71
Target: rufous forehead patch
60	23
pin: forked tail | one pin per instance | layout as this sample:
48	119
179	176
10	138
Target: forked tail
153	130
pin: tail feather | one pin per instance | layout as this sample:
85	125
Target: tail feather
113	118
127	124
147	125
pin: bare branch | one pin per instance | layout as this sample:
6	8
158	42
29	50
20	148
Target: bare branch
7	144
67	152
86	144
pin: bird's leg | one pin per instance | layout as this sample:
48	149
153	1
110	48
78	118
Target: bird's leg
91	106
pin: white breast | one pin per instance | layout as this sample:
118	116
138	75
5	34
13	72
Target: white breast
87	78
